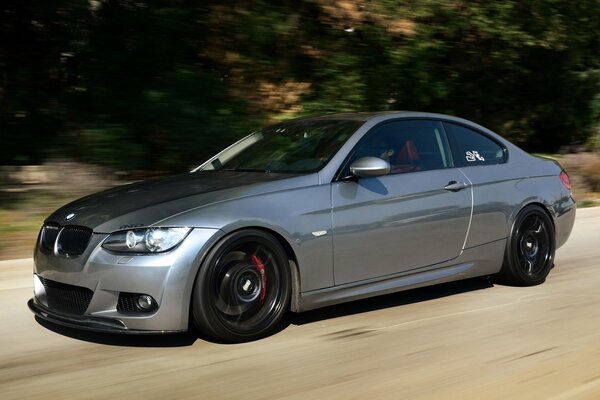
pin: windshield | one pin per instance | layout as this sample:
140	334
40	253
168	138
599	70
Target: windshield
292	147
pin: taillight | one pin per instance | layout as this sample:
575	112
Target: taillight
564	178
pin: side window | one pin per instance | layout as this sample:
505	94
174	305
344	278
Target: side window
473	148
409	146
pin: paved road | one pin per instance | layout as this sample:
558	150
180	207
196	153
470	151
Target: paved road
466	340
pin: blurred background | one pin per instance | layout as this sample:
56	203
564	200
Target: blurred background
94	93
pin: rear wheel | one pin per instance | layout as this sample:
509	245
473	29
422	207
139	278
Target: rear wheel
243	288
529	254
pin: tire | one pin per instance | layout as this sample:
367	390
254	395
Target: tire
529	254
243	288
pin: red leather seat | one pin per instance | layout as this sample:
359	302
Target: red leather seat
407	160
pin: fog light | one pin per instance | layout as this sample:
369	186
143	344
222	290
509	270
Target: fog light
145	302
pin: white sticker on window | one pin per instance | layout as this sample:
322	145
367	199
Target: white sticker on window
473	156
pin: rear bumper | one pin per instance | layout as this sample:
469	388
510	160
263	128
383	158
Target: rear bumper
564	219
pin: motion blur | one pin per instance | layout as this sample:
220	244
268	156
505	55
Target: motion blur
162	85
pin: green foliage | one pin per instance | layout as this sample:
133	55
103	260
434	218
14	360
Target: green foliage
161	85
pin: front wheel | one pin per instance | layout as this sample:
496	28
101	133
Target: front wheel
243	288
529	254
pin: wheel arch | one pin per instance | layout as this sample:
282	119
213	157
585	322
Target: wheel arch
510	272
289	251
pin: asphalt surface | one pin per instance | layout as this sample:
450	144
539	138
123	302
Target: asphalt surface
466	340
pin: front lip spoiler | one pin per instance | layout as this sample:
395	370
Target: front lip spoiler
88	323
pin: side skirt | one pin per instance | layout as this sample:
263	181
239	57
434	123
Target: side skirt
481	260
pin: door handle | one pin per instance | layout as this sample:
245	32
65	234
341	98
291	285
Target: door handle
455	186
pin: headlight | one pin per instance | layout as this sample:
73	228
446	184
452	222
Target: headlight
147	240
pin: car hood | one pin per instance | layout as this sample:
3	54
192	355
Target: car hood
147	203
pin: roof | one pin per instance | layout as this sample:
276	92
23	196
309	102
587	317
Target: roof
365	116
351	116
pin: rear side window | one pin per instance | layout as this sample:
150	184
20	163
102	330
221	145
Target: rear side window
473	148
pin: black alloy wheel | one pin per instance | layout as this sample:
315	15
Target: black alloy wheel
529	255
243	288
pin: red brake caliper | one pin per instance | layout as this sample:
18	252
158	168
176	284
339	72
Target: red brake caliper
261	269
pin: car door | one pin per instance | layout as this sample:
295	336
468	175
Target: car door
416	216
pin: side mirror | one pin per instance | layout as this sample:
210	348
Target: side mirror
369	167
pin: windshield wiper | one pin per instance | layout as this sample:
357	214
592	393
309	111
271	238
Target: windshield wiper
237	169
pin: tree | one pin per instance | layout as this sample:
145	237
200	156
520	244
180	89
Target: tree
163	84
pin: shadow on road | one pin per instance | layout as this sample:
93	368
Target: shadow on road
151	340
308	317
391	300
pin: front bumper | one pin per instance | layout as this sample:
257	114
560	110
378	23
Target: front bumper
88	323
167	277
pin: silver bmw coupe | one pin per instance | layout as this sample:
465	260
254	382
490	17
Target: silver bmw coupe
303	214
